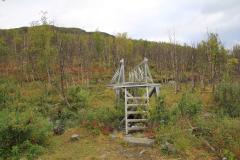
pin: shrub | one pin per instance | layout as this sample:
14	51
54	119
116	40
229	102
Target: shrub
68	115
22	134
174	139
8	90
159	114
222	133
101	118
78	98
189	105
3	97
227	96
174	136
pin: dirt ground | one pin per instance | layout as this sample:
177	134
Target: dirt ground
100	147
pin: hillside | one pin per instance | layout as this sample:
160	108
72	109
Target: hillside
53	85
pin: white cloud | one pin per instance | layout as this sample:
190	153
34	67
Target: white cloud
146	19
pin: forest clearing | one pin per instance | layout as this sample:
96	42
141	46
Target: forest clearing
70	94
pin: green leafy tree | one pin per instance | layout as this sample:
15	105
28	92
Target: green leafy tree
217	57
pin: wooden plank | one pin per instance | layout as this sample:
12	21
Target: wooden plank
136	97
137	120
136	128
139	141
130	105
126	120
136	112
132	85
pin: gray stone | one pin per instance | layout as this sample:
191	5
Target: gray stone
75	137
58	128
113	136
103	156
169	148
139	141
142	152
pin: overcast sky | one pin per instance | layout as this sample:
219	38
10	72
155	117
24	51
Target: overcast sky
141	19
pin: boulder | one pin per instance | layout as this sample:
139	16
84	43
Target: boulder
139	141
75	137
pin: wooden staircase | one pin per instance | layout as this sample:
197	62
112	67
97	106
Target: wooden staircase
136	111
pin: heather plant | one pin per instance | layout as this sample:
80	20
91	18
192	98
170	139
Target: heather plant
227	97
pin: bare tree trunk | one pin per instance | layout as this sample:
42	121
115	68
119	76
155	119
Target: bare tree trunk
61	65
49	76
202	82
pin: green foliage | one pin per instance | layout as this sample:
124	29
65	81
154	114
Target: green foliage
78	98
222	133
3	48
8	93
65	112
227	96
100	118
159	114
212	59
229	155
22	134
189	105
3	97
98	40
216	49
172	134
173	139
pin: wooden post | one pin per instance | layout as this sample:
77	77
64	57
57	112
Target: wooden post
126	107
147	106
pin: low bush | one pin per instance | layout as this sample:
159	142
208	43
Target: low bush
227	96
222	133
22	134
78	98
175	140
3	97
189	105
174	134
8	93
68	112
101	119
159	115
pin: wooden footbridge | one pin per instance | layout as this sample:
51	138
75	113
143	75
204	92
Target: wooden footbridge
137	92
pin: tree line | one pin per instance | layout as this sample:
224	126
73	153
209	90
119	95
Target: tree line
70	55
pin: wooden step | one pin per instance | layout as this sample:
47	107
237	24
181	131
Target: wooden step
136	112
136	120
129	105
136	97
136	128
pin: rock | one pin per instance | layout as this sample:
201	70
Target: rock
113	136
142	152
207	115
139	141
58	128
75	137
169	148
103	156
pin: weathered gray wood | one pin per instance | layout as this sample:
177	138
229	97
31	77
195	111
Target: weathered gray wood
136	112
134	85
126	114
139	77
139	141
137	120
136	128
136	97
130	105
